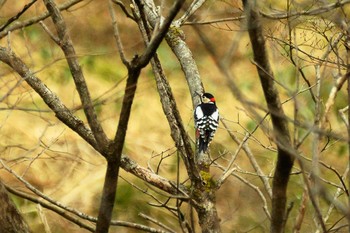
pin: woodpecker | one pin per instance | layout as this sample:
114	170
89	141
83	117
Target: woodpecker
206	118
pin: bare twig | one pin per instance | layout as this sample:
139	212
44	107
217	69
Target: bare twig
67	47
195	5
14	18
308	12
228	171
19	25
122	6
161	33
156	222
43	218
301	213
47	30
176	42
315	173
254	187
338	84
116	35
342	115
337	194
252	159
215	21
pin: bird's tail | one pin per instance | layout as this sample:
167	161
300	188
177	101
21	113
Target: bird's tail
202	145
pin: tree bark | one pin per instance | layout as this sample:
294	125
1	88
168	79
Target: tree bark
280	126
203	188
115	148
347	46
11	221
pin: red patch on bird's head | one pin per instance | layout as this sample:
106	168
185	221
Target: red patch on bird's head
212	99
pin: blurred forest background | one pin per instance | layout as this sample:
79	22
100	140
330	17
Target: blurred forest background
308	58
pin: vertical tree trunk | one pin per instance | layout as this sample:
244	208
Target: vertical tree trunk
204	187
281	132
11	221
347	46
205	195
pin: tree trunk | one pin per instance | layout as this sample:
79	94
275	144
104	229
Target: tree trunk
280	126
204	194
203	190
11	221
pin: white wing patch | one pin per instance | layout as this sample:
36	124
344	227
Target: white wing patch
198	114
215	115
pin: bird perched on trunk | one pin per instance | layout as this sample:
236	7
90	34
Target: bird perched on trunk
206	118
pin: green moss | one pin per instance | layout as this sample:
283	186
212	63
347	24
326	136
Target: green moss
209	182
175	34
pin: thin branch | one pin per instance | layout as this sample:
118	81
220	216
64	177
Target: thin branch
184	55
195	5
338	193
150	177
116	35
142	215
34	20
279	15
47	30
342	115
228	171
160	34
215	21
338	84
315	172
301	212
316	11
252	159
67	47
254	187
122	6
39	193
14	18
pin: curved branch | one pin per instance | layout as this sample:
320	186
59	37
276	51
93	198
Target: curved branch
175	40
66	45
14	18
34	20
195	5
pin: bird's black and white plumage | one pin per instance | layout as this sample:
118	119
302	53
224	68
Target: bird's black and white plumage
206	118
